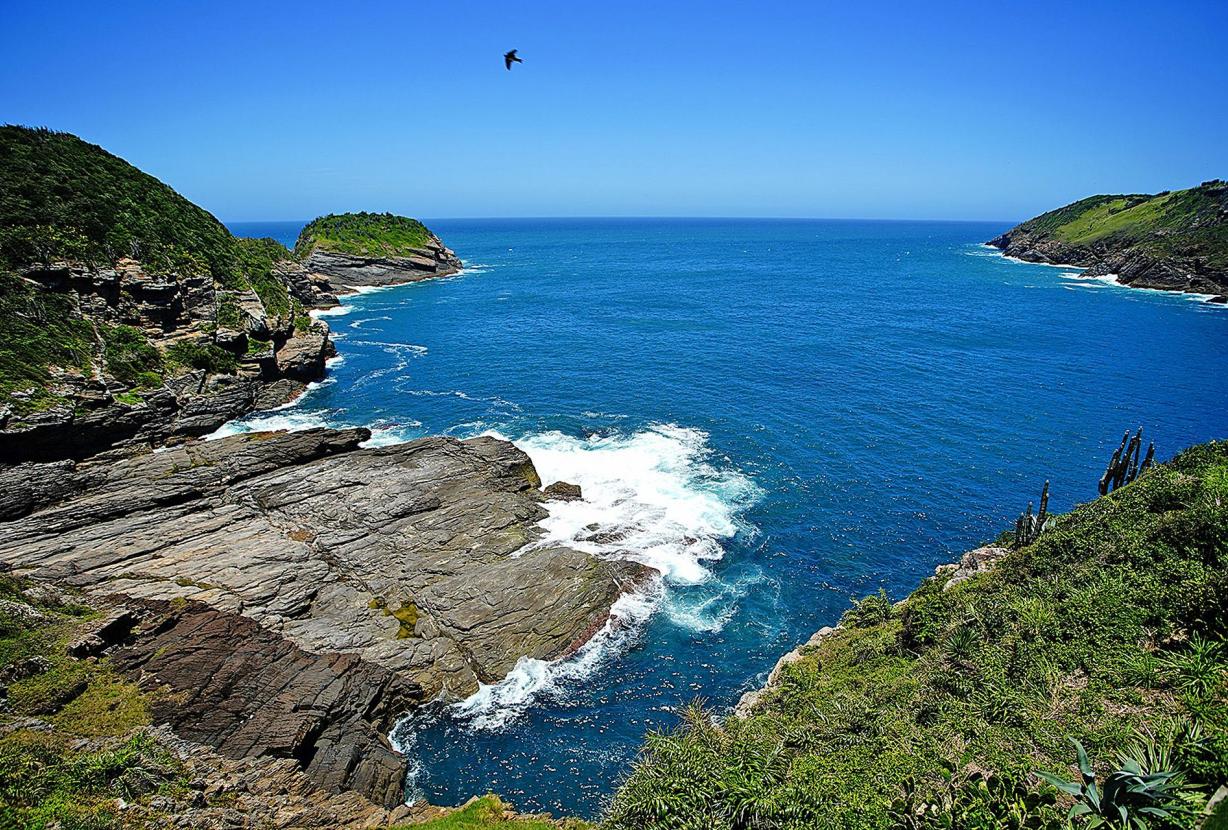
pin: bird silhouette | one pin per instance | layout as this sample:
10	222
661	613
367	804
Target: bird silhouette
510	58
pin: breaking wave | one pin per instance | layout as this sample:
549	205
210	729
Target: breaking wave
653	497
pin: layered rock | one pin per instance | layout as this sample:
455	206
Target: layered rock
99	413
1172	241
335	272
327	586
1132	266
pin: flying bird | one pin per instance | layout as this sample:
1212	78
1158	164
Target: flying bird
510	58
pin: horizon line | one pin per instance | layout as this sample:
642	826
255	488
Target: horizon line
645	217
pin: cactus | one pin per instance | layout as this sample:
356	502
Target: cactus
1028	527
1124	467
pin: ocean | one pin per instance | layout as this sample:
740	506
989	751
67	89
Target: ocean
778	415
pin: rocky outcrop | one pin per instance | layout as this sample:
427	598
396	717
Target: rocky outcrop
99	413
335	273
1170	241
1134	267
314	573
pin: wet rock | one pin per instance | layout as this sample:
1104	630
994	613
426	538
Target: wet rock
562	491
399	555
250	693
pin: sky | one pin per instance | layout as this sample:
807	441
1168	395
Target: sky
936	110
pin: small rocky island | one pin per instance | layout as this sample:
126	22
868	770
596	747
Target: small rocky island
362	250
245	617
1172	241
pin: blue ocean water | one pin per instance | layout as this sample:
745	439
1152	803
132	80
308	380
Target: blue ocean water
778	414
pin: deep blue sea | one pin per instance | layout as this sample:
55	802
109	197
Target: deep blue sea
777	414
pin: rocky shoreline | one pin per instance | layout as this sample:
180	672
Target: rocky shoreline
1172	241
283	598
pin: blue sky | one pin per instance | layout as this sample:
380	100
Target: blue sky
969	110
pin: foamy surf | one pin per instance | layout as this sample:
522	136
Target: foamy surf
651	497
495	705
335	311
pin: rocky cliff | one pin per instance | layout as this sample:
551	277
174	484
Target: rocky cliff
294	593
1173	241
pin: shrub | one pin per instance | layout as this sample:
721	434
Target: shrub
205	356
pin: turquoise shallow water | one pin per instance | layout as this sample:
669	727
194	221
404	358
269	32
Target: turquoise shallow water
777	414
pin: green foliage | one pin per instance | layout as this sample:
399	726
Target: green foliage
362	234
257	257
207	356
489	811
62	198
1189	224
1130	797
1109	625
45	782
869	611
973	800
38	330
129	356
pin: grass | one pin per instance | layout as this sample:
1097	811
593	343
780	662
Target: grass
363	234
1109	627
1190	225
489	811
39	332
89	747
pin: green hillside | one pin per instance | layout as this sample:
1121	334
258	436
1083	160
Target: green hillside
939	713
62	198
1186	224
363	234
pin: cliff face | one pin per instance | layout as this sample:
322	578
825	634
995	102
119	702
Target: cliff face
176	371
300	593
130	317
1175	241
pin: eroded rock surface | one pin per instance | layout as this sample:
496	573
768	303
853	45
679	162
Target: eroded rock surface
331	273
314	574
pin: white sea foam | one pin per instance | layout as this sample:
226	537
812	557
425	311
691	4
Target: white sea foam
335	311
651	497
494	705
357	324
287	418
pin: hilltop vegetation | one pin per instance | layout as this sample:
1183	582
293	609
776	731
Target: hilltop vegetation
374	235
1176	240
66	200
63	198
940	712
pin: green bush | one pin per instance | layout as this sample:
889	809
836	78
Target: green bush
206	356
1108	626
362	234
129	355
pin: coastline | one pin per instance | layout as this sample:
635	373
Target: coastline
1110	279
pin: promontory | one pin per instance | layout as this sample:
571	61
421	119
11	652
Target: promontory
1174	241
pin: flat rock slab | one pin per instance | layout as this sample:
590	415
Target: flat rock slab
419	558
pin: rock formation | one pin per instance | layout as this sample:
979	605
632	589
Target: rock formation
1173	241
337	272
328	588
